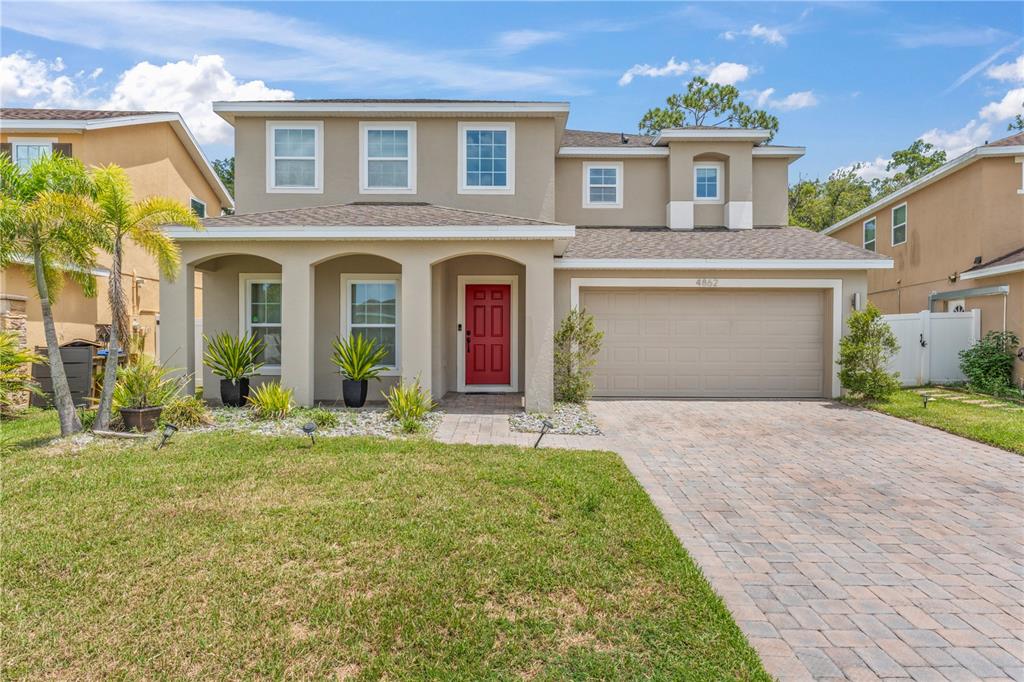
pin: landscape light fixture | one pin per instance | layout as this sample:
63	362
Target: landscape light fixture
309	428
169	430
545	426
926	399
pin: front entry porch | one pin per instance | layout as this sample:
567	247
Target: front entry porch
453	315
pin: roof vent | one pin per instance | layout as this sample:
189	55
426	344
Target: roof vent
977	260
625	140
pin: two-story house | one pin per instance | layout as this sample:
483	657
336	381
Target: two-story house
956	237
459	233
161	158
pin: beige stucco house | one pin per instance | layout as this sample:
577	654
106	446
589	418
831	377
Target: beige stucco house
161	158
956	237
459	233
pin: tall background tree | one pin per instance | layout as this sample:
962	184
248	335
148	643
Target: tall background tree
707	104
225	169
41	212
115	217
907	165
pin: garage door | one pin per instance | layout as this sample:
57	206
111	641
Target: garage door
700	343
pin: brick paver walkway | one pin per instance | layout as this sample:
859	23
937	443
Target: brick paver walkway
847	544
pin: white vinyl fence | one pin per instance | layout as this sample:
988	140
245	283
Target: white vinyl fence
930	345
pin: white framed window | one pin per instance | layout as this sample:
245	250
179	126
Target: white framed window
198	207
487	158
602	185
260	312
25	151
707	182
387	158
899	224
869	234
372	307
295	157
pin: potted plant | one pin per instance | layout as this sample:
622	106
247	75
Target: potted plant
142	389
359	360
234	360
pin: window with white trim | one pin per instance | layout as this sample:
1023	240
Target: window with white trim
25	153
899	224
294	156
387	153
486	158
198	207
262	317
707	182
372	311
869	234
602	185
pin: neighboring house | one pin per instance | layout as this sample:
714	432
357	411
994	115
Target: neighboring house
161	157
459	233
956	237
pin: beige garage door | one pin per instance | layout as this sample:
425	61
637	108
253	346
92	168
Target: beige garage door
701	343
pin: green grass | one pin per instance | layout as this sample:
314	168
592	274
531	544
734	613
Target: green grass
225	555
1003	428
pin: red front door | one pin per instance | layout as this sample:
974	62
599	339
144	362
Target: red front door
488	334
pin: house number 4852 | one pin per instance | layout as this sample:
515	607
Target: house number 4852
707	282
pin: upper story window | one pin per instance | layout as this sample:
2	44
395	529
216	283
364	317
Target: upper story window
899	224
295	156
869	234
25	152
198	207
707	182
602	185
387	154
487	158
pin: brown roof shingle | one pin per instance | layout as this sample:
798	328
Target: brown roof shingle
1011	141
715	243
371	214
22	114
1015	256
591	138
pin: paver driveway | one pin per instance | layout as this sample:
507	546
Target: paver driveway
847	544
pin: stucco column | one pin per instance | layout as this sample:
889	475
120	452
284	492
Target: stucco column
415	326
739	205
679	211
177	327
297	358
540	330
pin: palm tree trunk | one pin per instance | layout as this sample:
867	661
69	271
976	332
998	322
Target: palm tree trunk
69	421
113	346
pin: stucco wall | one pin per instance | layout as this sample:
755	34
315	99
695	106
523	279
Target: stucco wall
437	153
737	181
644	193
771	191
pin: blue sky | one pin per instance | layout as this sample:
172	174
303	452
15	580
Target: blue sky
851	81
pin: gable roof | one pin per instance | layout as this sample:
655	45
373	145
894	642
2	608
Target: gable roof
1008	146
81	120
371	214
1008	262
591	143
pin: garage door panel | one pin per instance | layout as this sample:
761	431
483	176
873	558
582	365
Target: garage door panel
721	343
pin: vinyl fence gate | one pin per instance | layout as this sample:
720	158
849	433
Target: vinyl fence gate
930	345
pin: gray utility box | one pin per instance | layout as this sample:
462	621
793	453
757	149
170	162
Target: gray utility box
77	365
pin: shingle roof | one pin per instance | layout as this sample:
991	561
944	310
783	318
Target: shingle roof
405	101
1015	256
370	214
1011	141
20	114
714	243
590	138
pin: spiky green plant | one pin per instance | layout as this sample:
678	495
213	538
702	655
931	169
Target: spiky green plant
15	376
408	404
271	401
231	357
358	357
186	411
144	383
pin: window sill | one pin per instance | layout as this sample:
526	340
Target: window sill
488	190
615	205
387	190
294	190
269	371
709	201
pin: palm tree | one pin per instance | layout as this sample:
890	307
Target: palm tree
40	224
116	217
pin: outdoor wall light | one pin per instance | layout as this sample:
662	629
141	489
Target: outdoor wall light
309	428
169	430
545	426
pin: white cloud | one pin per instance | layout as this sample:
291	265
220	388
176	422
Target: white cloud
1010	71
791	102
982	65
189	87
728	73
671	68
517	41
956	142
766	34
25	79
872	170
1009	106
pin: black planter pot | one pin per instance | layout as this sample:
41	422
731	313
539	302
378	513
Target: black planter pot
354	392
141	419
234	393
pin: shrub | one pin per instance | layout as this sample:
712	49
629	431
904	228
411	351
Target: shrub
15	375
187	412
864	354
324	418
577	343
231	357
271	401
358	357
408	404
87	417
988	364
144	383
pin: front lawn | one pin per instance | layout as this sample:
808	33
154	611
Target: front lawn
1001	427
229	555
